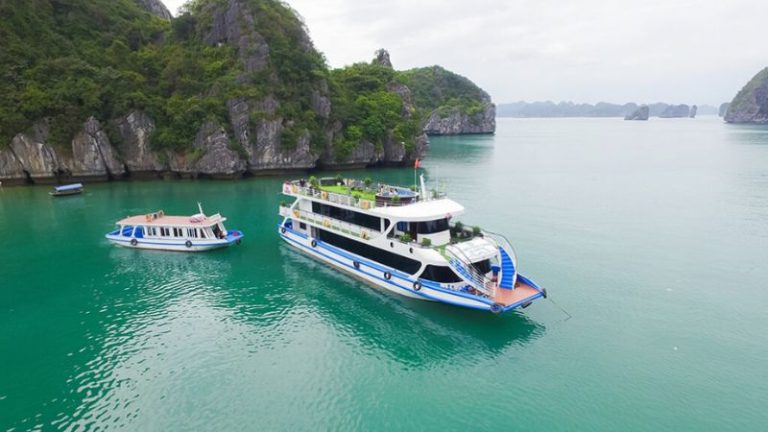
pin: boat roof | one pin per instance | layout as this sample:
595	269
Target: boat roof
421	210
68	187
172	221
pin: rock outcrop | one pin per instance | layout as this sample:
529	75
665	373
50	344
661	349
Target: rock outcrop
382	58
134	145
723	109
278	116
641	113
676	111
692	113
157	8
90	155
751	103
456	122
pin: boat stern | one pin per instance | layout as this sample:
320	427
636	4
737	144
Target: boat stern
234	236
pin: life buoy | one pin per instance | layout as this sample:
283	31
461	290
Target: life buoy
282	230
188	244
497	308
134	242
356	264
314	243
387	275
417	286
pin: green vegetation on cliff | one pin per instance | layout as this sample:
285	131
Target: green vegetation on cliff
750	105
370	111
435	88
65	61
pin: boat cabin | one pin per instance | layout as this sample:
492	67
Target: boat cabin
159	226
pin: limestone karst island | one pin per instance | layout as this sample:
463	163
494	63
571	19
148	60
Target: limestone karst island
383	215
118	89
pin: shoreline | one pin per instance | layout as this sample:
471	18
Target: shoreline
174	176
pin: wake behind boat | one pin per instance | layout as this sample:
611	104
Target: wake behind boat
194	233
403	240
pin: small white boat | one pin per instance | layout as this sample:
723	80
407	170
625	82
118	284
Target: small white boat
66	190
157	231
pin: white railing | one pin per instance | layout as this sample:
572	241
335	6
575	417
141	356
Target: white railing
330	223
463	265
347	200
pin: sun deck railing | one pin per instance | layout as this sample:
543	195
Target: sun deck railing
347	200
330	223
463	263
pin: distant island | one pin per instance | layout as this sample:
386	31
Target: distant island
750	105
547	109
227	88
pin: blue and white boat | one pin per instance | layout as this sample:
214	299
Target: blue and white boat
157	231
66	190
404	241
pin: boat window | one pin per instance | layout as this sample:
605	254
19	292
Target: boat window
192	232
441	274
202	233
302	226
216	231
346	215
177	232
165	232
390	259
483	266
430	227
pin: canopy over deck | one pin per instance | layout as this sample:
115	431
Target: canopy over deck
159	219
421	210
68	187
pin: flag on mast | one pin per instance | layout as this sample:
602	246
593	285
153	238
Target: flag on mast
416	164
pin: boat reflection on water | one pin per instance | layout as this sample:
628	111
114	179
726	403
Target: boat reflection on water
411	332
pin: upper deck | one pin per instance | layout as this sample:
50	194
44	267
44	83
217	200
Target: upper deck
377	199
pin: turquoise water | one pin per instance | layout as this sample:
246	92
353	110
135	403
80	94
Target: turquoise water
652	235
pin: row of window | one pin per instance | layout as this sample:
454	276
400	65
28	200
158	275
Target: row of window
441	274
389	259
177	232
346	215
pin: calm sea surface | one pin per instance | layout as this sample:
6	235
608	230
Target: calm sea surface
652	235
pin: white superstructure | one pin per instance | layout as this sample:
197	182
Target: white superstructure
404	241
158	231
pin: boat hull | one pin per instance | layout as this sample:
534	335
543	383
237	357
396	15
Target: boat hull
65	193
173	245
389	279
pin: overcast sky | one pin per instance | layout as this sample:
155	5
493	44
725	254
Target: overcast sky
691	52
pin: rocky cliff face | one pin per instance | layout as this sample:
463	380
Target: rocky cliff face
260	132
156	7
751	103
641	113
90	155
456	122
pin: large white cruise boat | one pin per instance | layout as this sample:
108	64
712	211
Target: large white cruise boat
404	241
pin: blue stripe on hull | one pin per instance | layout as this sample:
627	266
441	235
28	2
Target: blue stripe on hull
485	303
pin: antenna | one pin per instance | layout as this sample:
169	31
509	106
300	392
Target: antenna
200	207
